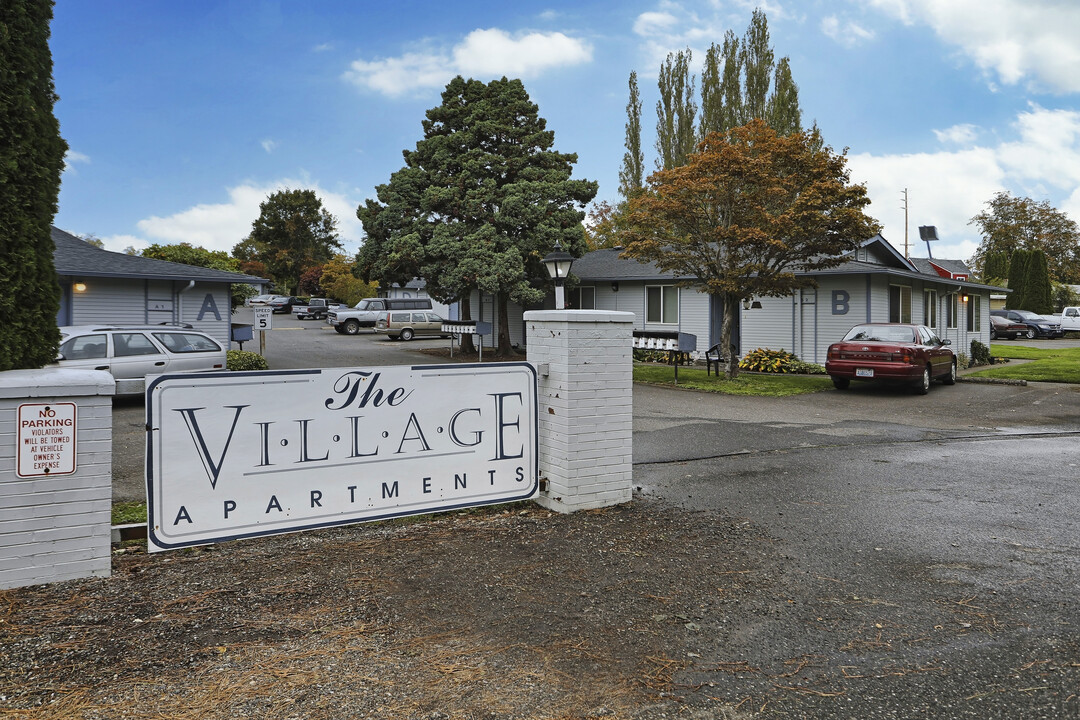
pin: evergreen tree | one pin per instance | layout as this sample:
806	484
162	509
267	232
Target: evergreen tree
676	111
995	267
1018	273
1039	294
31	160
632	174
482	199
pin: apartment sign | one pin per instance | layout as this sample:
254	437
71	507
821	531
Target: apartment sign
244	454
45	437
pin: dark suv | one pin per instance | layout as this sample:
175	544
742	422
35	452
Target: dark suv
1037	325
283	304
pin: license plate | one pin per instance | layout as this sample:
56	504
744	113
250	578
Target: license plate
864	372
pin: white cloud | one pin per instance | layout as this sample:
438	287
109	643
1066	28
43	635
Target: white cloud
958	134
948	188
1014	40
848	34
220	226
323	47
490	52
269	145
72	157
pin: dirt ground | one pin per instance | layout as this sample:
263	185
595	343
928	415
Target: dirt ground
500	613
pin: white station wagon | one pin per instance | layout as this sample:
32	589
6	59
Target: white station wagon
131	353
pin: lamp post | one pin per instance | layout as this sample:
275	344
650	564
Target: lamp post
558	263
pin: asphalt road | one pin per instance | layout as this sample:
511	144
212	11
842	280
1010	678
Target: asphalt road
938	533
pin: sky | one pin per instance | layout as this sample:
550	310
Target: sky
182	117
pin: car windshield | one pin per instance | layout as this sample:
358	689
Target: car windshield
1028	315
880	333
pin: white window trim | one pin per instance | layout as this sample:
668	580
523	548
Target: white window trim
662	293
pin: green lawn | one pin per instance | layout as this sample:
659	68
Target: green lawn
1046	364
746	384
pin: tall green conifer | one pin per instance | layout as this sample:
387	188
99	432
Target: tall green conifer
31	160
632	174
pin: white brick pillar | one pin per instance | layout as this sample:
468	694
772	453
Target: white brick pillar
56	526
585	364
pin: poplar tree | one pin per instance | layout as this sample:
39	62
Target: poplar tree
782	111
676	111
31	160
757	59
632	174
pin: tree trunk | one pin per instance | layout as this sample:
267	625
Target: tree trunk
505	348
731	307
467	345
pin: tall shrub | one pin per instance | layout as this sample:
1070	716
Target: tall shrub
31	159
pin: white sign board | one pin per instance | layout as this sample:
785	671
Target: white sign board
46	439
243	454
264	318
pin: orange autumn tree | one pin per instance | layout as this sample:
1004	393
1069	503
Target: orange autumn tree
748	215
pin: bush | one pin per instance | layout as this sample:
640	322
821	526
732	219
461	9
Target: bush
769	361
980	354
660	356
245	360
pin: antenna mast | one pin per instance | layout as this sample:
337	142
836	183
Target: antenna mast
904	207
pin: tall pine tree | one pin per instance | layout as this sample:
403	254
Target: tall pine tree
31	160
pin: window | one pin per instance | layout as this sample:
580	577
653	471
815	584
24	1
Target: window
125	344
178	342
899	304
84	347
930	308
583	298
662	304
951	310
974	313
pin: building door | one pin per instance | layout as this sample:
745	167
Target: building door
716	325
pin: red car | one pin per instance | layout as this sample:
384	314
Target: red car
891	352
1003	327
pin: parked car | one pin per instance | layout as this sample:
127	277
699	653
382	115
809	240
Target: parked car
130	353
891	352
1004	328
406	325
364	314
1037	325
259	300
283	303
315	308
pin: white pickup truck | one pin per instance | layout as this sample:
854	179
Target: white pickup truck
1070	319
348	321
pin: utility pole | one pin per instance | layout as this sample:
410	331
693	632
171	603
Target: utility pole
904	207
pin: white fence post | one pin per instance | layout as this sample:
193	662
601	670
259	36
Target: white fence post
585	395
55	527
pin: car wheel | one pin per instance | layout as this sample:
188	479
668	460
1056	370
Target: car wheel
993	334
841	383
923	385
1030	334
352	327
950	379
406	334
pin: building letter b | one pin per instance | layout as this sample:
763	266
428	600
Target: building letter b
840	299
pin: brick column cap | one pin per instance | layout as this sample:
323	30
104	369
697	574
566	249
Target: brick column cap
583	316
55	381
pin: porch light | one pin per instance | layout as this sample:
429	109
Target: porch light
558	264
79	287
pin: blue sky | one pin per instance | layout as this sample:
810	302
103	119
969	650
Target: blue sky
183	116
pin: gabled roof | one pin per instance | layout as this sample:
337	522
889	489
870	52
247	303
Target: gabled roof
605	264
78	258
945	268
883	253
